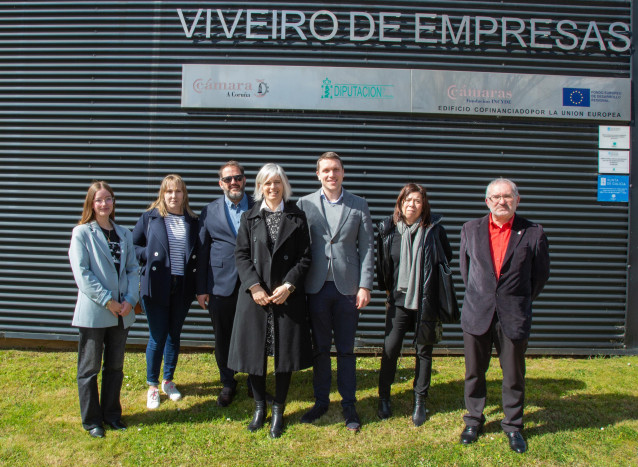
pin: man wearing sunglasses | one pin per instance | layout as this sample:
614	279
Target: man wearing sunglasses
504	261
217	280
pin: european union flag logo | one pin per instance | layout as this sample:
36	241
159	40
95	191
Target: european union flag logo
575	97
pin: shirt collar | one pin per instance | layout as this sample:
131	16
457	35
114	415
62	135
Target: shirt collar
265	207
323	195
507	225
241	206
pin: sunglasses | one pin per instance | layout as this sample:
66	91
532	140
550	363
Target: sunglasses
237	178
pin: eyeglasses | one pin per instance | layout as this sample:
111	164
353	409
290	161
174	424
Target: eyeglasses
105	201
230	178
497	198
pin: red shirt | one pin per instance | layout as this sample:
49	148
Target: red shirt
499	238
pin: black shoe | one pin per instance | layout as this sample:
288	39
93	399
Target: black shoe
226	396
117	425
277	420
384	411
352	418
258	417
97	432
517	442
314	414
420	414
470	434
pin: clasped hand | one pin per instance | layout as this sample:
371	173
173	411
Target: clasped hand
278	297
120	309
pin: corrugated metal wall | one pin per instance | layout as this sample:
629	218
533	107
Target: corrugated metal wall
91	90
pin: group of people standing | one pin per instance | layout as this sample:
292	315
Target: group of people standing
285	280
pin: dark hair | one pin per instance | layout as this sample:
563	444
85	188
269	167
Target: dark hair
230	164
329	155
88	214
403	194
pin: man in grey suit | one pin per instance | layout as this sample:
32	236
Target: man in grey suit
217	280
504	262
338	284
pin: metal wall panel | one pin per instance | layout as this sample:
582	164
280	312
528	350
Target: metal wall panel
91	90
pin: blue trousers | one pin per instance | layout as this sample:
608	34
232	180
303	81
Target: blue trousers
165	323
332	313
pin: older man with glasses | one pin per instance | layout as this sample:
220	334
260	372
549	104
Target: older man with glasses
504	261
217	279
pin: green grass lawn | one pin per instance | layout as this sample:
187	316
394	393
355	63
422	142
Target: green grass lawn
579	412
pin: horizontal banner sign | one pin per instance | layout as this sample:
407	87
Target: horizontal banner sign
519	95
295	88
405	91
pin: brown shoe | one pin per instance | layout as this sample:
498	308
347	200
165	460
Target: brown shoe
226	396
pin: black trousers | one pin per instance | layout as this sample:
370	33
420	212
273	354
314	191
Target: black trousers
101	348
222	315
398	322
511	354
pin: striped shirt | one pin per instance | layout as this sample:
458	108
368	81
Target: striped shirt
176	230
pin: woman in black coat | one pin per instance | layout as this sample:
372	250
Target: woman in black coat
407	266
273	257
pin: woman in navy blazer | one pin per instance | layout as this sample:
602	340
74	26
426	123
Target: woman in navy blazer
165	239
105	269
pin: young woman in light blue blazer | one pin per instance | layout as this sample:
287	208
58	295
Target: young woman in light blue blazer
105	269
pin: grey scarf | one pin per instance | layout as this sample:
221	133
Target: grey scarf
410	264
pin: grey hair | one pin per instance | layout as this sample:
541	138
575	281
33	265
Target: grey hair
501	180
266	172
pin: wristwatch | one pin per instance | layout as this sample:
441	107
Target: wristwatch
108	303
291	288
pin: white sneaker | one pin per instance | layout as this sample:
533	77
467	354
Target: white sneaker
153	398
169	388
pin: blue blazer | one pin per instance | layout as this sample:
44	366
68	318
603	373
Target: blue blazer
216	246
97	279
153	252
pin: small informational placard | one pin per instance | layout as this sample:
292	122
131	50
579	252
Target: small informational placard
613	137
613	162
613	188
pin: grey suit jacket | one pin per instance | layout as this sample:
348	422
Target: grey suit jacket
350	247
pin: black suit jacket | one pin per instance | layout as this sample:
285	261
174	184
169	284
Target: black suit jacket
524	272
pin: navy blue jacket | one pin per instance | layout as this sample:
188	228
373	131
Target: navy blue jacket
216	246
153	253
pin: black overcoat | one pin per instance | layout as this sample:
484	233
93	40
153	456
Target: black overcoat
289	262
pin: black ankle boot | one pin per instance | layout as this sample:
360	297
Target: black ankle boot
277	420
385	410
259	416
419	416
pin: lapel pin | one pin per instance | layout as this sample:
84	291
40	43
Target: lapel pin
519	232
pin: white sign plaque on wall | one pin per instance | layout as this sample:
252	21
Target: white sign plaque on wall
613	162
511	95
295	88
613	137
504	95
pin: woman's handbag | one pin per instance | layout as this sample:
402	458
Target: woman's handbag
449	312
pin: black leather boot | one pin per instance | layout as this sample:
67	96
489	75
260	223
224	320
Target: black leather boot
420	415
258	417
277	420
385	410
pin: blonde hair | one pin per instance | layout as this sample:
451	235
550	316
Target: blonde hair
88	214
160	204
